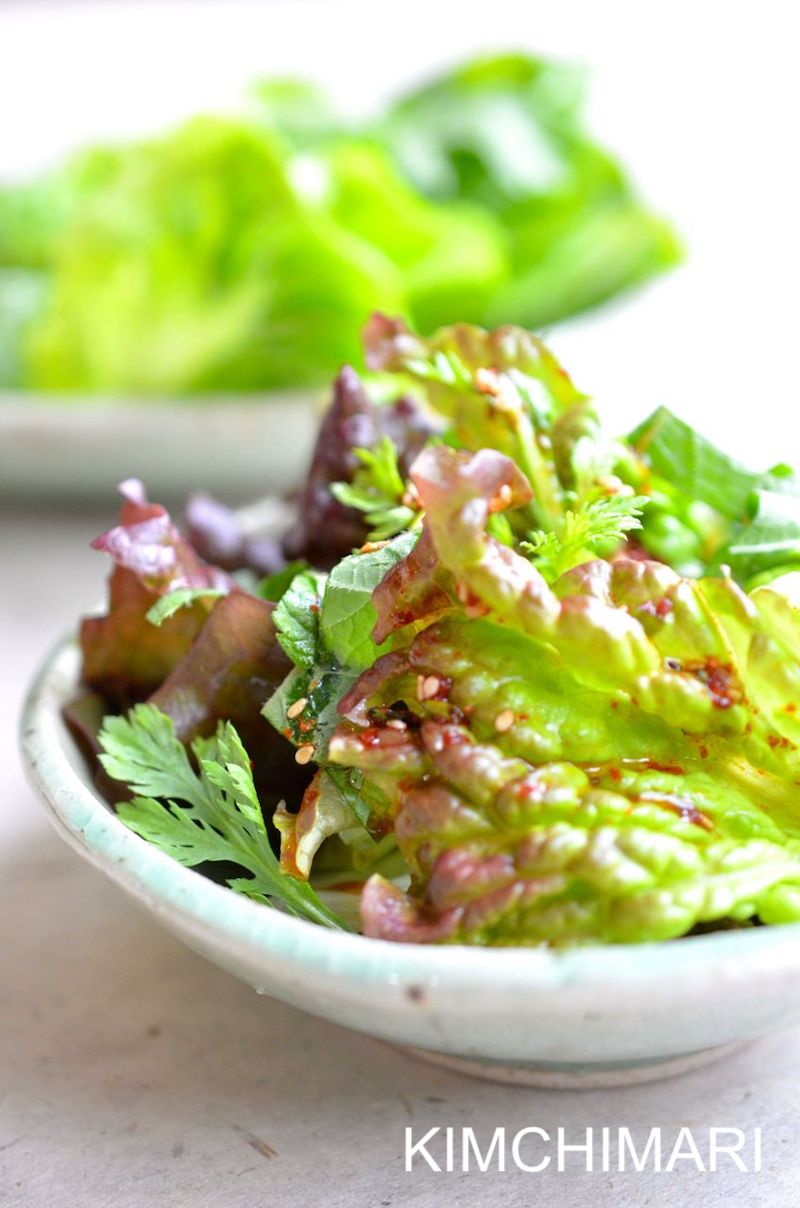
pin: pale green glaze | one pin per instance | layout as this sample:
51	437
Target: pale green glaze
609	1008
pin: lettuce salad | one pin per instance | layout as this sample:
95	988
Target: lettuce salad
508	680
244	251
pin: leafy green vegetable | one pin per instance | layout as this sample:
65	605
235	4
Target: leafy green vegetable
329	641
166	606
237	253
612	759
200	251
273	587
505	723
500	389
489	130
506	132
453	256
298	110
304	708
348	614
212	814
297	618
692	465
505	390
336	644
378	490
124	655
709	511
592	529
618	247
768	541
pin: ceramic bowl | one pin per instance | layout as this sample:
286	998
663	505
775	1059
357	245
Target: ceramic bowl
238	446
598	1016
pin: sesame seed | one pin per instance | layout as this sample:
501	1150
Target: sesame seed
297	708
305	753
429	688
394	723
486	380
504	721
505	493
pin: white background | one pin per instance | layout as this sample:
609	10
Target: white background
702	99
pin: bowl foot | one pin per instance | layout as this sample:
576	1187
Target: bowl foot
552	1075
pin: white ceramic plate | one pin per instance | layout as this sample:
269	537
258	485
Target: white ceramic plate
238	447
589	1017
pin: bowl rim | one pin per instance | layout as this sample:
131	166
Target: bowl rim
256	931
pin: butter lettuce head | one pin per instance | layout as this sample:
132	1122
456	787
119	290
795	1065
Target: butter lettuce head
196	268
237	253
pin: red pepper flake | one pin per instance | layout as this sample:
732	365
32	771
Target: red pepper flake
719	678
370	737
531	790
615	774
657	608
681	806
791	707
672	769
703	752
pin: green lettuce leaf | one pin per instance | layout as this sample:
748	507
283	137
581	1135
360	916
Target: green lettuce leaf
611	758
200	251
507	132
245	252
692	465
706	509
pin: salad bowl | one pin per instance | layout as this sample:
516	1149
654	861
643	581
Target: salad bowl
592	1016
80	449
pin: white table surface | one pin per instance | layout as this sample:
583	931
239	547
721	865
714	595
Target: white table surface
134	1074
